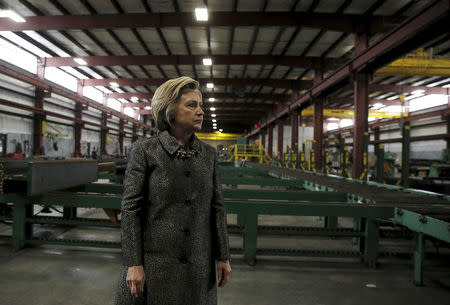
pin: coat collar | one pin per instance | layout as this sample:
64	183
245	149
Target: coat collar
171	145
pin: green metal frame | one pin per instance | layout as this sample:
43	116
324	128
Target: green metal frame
248	210
420	224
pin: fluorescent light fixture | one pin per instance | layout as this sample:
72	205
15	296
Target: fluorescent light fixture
214	127
420	91
212	109
80	61
114	84
207	61
11	15
134	98
201	14
148	107
377	106
221	130
413	96
213	115
211	99
214	120
392	98
210	85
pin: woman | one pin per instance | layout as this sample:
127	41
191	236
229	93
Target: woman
174	225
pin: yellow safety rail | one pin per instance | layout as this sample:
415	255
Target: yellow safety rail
244	151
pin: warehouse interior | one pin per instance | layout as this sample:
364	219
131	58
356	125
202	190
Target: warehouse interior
331	120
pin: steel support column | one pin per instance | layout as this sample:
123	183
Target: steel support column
121	135
263	138
134	136
38	138
376	137
406	131
448	127
318	123
270	141
280	139
294	130
103	134
77	125
78	130
361	96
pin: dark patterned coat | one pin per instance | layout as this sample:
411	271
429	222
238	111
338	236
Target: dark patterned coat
173	222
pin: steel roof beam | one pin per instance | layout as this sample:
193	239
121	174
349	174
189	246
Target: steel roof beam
218	95
141	60
276	83
327	21
423	27
263	107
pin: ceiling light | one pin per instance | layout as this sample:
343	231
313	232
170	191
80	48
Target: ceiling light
418	91
211	99
11	15
214	120
148	107
392	98
80	61
210	85
134	98
377	106
213	115
114	84
214	127
220	130
201	14
212	109
207	61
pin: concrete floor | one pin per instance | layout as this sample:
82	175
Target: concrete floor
50	275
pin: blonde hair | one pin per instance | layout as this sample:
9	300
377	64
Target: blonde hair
167	97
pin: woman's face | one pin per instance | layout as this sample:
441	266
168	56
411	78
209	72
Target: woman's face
189	115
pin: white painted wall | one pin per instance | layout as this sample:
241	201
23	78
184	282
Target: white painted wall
287	136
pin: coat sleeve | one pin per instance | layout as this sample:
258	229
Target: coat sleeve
132	207
219	214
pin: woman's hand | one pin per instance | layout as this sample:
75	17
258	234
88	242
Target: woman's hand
136	280
224	271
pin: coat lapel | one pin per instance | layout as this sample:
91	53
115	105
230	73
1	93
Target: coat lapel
170	144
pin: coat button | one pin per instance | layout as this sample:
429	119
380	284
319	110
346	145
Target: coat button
183	260
187	232
187	202
187	173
